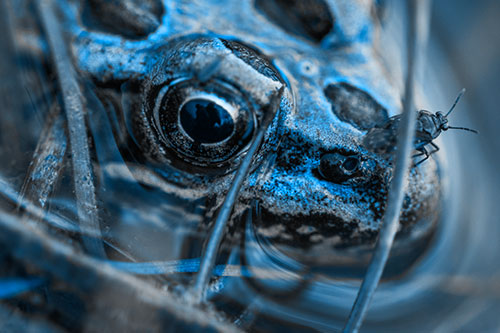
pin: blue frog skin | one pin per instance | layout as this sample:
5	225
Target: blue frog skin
172	96
313	186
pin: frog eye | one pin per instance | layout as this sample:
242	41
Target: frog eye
198	109
203	124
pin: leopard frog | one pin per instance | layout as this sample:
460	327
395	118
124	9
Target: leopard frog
187	83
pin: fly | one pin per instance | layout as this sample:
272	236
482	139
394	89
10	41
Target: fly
381	139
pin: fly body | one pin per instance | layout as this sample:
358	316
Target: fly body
381	139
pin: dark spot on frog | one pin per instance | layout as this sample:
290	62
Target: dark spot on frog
294	150
132	19
406	202
355	106
310	19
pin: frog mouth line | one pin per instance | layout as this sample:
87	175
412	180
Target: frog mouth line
335	245
293	230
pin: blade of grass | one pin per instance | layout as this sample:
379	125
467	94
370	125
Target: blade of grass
75	114
209	256
417	11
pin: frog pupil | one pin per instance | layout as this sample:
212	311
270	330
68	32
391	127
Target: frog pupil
350	164
205	121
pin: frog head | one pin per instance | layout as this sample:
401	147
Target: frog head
193	90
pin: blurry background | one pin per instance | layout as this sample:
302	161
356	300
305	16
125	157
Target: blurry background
469	35
469	32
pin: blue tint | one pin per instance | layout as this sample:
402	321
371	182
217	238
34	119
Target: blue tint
206	122
10	287
161	267
173	267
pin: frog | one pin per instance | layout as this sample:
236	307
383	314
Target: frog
189	82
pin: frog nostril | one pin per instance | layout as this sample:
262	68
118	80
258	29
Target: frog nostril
338	168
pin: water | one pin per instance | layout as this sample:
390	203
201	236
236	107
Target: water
154	221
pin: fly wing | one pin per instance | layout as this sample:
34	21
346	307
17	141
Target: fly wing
382	138
380	141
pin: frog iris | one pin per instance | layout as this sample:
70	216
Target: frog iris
203	123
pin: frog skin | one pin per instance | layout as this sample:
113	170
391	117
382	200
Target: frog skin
313	182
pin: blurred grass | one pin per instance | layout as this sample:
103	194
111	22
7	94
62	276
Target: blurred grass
470	34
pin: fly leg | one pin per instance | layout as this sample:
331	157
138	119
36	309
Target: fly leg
436	148
422	151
